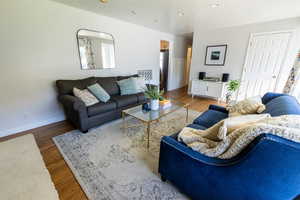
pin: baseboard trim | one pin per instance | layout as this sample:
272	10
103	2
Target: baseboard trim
179	88
4	133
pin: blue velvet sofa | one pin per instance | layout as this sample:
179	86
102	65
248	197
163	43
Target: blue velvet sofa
268	169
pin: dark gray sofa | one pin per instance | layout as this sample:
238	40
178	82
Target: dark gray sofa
84	117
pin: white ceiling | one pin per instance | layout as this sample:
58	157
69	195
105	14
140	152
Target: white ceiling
163	14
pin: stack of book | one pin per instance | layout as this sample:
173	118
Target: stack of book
165	104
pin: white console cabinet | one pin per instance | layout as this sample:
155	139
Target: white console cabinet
211	89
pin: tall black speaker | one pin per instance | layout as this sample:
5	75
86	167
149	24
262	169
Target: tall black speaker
202	75
225	77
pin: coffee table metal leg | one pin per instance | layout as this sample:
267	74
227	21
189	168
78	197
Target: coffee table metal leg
148	135
187	114
124	122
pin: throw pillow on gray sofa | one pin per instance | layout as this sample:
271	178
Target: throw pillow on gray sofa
99	92
85	96
127	87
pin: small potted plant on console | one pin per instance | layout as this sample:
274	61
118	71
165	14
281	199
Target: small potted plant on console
232	87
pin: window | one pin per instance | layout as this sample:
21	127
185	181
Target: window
83	58
108	55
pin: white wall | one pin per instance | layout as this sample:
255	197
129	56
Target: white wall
237	39
38	46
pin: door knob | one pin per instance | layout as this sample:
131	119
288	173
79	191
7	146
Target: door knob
274	76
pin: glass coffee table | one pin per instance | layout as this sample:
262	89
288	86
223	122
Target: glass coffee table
147	117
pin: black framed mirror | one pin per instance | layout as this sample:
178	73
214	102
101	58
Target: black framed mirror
96	49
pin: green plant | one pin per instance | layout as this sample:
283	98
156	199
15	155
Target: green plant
152	92
233	85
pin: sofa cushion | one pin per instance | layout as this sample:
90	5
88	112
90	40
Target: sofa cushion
126	77
101	108
141	97
109	84
283	105
197	126
66	86
125	100
209	118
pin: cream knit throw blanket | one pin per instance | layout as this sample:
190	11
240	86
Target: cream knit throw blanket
229	137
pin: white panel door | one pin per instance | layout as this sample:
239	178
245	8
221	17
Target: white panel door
265	57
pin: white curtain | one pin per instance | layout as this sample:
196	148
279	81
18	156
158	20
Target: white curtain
108	54
87	53
293	83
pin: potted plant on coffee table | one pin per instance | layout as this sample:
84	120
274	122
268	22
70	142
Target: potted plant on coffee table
153	93
232	87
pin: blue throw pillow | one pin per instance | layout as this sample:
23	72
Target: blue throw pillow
128	86
99	92
283	105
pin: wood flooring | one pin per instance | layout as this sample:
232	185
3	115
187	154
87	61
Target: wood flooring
62	177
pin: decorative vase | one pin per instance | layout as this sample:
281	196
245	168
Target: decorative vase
154	114
154	104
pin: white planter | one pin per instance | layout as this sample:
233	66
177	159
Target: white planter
228	97
154	114
154	104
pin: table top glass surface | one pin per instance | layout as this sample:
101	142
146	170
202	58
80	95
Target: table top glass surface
148	116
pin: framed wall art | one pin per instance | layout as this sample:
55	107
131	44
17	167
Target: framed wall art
216	55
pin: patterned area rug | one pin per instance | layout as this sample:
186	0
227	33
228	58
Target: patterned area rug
112	164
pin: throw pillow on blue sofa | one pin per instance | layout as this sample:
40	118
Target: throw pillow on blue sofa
282	105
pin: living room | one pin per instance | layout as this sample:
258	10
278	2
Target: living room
76	125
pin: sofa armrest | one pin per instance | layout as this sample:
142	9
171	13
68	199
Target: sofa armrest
218	108
72	102
171	141
269	160
76	111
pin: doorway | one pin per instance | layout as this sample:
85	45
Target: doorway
264	61
164	64
188	65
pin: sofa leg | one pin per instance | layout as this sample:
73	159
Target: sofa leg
163	179
85	131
